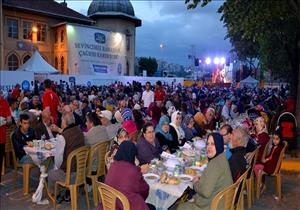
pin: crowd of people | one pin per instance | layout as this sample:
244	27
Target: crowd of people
142	122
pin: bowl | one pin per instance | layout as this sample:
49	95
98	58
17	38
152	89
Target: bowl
150	177
185	178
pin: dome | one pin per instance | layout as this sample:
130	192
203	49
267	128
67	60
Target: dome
98	7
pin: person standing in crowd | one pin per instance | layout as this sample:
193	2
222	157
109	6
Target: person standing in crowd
160	93
16	91
238	162
148	146
21	137
5	119
51	100
148	96
14	110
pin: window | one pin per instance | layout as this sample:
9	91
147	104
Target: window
41	33
56	63
13	62
13	29
26	58
27	29
56	37
62	63
62	34
127	42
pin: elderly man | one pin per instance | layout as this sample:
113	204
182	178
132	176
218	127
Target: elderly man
71	138
43	128
226	132
35	103
96	132
238	162
112	129
226	111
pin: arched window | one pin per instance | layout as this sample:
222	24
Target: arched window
56	37
62	34
62	63
12	62
26	58
56	62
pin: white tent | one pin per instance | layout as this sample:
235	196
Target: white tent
249	82
38	65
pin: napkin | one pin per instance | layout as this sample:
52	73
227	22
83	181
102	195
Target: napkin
167	155
186	146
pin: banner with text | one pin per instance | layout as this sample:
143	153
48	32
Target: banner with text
94	51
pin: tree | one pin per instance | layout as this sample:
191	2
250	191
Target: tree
272	28
148	64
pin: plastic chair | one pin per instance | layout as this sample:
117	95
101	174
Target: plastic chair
228	195
266	150
240	191
26	170
99	150
8	146
276	174
250	177
109	197
80	155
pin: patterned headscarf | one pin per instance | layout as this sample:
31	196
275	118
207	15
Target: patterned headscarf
126	114
162	121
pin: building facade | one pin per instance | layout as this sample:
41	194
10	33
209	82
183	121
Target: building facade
29	25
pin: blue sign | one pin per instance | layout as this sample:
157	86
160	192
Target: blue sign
25	85
100	68
89	84
100	38
72	79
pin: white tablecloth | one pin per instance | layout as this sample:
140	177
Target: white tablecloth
32	152
162	196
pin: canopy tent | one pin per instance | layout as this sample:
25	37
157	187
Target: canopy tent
249	82
38	65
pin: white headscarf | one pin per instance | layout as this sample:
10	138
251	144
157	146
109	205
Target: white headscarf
179	130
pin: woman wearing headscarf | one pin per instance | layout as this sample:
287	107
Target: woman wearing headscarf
215	178
262	136
188	127
122	135
129	124
163	135
175	128
131	183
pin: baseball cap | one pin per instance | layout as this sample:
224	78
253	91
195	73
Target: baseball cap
107	114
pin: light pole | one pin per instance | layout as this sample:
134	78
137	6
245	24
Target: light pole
162	46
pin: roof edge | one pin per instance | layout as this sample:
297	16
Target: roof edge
135	20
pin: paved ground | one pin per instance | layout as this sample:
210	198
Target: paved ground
11	195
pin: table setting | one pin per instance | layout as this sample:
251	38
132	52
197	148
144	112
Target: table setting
40	151
170	176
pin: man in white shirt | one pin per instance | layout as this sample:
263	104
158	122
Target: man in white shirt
226	111
148	95
111	129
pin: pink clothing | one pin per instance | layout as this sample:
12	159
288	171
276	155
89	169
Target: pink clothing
130	182
130	127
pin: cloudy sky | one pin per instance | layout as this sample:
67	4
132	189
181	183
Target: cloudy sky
181	31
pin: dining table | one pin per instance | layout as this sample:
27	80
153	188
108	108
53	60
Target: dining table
40	152
163	195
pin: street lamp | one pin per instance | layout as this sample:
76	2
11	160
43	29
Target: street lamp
208	60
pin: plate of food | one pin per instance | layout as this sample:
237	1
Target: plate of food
189	153
191	172
166	178
185	178
151	177
199	169
48	146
